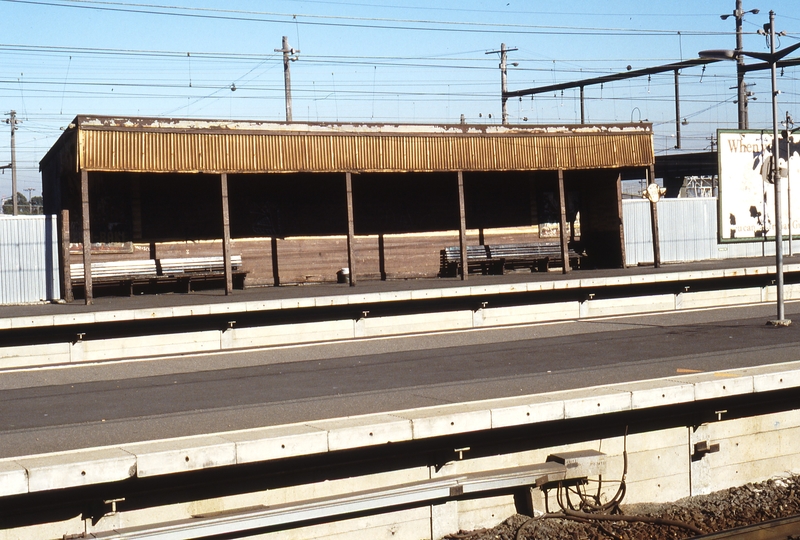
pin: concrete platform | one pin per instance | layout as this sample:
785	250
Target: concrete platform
79	319
170	456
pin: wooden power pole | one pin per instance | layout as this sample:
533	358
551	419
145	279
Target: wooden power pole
503	78
13	122
289	55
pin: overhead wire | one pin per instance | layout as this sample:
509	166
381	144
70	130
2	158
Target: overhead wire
362	22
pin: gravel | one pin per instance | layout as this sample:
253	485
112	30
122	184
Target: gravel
734	507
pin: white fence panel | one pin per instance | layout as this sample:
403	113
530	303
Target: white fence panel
687	232
28	259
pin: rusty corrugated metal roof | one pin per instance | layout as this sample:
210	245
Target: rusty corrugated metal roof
165	145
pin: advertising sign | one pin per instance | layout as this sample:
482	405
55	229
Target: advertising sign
746	206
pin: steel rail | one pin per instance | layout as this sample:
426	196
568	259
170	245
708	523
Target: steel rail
774	529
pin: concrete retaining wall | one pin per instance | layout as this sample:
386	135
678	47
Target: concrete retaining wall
661	464
660	469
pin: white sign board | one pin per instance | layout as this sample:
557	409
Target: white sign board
746	193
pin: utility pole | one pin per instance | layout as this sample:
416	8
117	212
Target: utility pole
289	55
13	122
30	191
741	87
503	78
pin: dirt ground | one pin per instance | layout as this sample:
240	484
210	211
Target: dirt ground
686	518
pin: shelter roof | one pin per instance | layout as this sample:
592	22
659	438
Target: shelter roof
106	143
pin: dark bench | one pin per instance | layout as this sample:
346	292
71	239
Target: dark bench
495	259
479	260
182	271
537	255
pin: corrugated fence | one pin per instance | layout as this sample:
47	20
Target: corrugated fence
28	259
687	232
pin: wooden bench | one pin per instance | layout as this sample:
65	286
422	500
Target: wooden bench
181	271
495	259
188	269
123	273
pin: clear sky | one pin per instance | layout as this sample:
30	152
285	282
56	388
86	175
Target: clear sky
383	61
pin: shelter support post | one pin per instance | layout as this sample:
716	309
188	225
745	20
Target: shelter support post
382	257
87	239
462	231
66	275
351	256
136	212
621	226
276	275
583	110
226	234
562	203
654	221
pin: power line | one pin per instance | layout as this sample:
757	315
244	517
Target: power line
362	22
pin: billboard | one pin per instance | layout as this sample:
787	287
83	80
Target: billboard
746	205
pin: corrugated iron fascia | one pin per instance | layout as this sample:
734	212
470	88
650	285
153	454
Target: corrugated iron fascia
183	151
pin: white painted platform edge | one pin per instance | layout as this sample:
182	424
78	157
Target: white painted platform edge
278	442
25	356
359	298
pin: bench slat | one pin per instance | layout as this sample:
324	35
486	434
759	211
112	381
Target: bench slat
116	268
149	270
198	264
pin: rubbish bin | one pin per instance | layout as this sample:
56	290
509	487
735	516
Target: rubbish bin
343	275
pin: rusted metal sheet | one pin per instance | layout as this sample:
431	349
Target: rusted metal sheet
194	152
107	144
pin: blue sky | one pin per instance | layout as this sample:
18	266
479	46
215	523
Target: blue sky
388	61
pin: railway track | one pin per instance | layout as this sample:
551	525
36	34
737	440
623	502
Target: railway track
787	528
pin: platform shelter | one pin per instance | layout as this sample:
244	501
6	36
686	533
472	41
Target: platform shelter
374	199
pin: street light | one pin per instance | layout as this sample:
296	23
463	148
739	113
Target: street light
772	58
